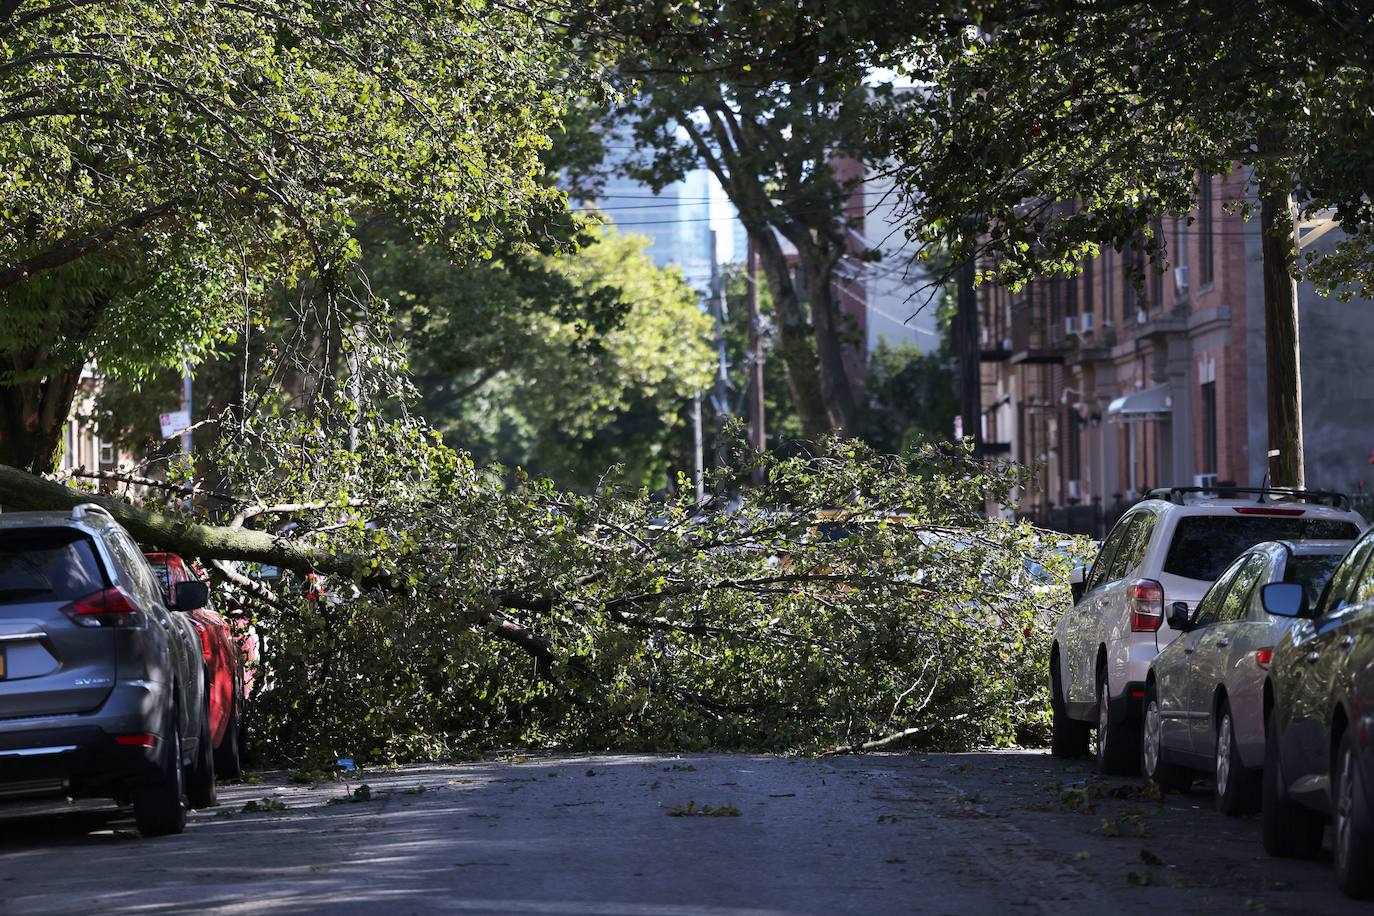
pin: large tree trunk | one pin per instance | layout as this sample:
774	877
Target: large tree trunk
796	345
1281	346
33	419
833	338
35	404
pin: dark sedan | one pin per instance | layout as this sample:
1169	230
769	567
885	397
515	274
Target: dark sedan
1319	752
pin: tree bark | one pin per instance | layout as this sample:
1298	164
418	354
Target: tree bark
833	338
796	341
1281	345
20	490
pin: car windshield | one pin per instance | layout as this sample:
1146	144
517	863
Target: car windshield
1312	572
1204	545
47	564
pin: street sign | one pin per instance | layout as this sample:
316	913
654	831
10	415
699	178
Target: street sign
175	423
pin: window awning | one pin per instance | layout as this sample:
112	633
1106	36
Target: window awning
1151	404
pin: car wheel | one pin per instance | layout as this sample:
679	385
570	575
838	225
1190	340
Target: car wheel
1288	830
200	782
158	808
1069	737
1169	777
229	754
1354	846
1233	785
1116	751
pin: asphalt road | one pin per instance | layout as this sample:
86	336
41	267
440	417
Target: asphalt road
997	832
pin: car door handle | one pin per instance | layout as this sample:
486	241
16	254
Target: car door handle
1313	655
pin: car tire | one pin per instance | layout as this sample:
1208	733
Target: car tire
200	781
1287	829
1168	777
1233	785
1117	754
1353	846
1069	737
159	808
229	754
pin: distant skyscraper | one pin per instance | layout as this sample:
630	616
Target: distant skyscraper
678	221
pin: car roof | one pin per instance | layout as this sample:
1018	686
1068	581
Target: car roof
52	519
1223	505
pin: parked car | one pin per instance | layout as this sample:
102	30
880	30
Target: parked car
102	686
1169	548
226	661
1318	706
1204	693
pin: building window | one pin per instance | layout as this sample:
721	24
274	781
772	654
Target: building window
1157	269
1205	266
1075	451
106	452
1088	278
1209	428
1108	306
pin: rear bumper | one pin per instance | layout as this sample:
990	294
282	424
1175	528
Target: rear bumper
79	754
1129	707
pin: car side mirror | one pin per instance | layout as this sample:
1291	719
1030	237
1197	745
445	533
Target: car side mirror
1077	580
1284	599
1178	617
191	596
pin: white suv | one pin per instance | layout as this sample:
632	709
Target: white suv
1166	549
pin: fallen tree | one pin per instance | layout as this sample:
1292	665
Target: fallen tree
853	600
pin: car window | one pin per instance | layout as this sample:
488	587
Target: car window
1209	608
1098	574
1312	572
1342	584
1237	602
135	566
1203	545
47	564
1121	561
1138	541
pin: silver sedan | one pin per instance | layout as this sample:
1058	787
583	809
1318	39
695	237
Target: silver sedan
1204	701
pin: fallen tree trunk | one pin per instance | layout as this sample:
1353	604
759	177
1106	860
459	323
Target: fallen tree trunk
20	490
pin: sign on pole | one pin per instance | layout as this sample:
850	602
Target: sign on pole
175	423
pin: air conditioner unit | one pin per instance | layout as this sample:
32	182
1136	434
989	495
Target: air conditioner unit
1006	344
1085	323
1070	325
1141	316
1181	279
1075	490
1204	480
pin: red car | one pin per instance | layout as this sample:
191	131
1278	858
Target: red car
228	660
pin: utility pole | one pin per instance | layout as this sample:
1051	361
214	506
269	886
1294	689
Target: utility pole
965	333
186	406
757	436
698	463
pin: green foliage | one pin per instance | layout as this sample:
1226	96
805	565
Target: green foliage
1057	130
562	364
909	396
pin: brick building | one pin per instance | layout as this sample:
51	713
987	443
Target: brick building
1108	388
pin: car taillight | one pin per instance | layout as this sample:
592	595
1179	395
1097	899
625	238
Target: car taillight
1268	510
111	607
1264	656
1147	606
136	740
204	633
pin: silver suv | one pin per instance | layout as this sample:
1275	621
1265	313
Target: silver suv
102	686
1167	549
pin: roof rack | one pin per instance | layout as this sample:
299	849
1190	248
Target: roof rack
1319	497
81	510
